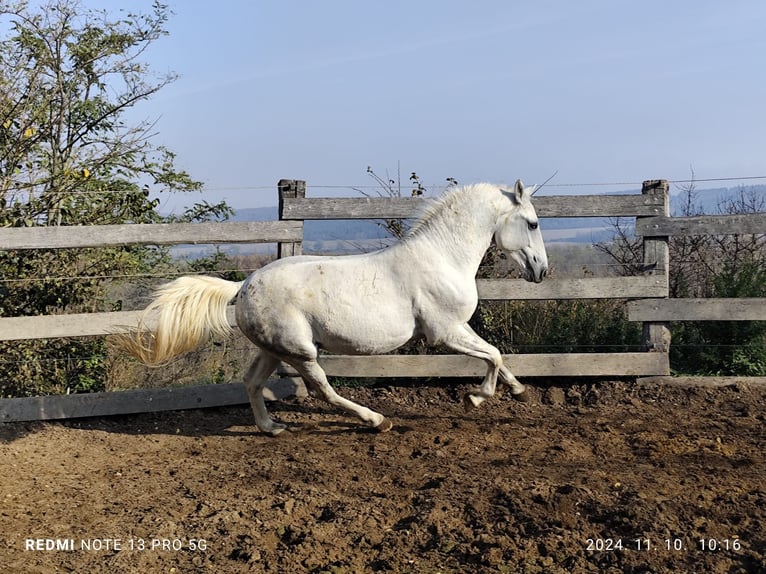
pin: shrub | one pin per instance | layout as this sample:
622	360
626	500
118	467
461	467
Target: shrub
725	347
557	326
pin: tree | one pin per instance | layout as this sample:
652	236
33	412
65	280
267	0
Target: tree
68	74
722	266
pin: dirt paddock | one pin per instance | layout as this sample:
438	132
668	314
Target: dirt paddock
597	477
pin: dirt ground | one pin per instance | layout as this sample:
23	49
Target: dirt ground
597	477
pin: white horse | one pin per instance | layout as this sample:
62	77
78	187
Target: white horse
423	286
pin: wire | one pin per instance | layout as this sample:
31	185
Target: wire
72	358
575	184
707	180
430	185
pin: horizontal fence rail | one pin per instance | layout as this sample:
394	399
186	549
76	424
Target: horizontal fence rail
567	288
78	325
750	223
94	324
305	208
69	325
750	309
101	404
149	234
525	365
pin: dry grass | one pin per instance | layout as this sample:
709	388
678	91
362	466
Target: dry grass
215	362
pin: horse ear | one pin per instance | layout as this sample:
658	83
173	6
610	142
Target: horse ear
518	189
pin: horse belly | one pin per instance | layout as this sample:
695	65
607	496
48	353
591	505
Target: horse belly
337	303
362	329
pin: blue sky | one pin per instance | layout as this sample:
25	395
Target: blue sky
479	91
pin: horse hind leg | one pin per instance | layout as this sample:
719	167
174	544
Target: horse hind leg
314	376
255	379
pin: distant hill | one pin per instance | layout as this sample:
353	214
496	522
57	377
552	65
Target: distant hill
256	214
332	230
708	201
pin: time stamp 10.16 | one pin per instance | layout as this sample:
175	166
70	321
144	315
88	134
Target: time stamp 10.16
663	544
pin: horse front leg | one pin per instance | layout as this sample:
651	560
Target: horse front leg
518	391
464	340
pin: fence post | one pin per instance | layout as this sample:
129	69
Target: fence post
289	189
656	336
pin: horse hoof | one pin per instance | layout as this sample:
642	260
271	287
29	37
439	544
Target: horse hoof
276	430
471	402
522	397
384	426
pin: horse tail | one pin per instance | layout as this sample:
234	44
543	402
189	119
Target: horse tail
185	312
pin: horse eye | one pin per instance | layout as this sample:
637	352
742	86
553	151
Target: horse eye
532	225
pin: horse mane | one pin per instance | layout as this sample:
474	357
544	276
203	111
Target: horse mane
448	200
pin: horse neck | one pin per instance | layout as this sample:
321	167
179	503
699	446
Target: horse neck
460	230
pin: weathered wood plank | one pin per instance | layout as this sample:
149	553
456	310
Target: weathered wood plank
72	325
75	325
534	365
752	309
94	324
598	205
656	255
149	234
409	207
138	401
592	288
290	189
750	223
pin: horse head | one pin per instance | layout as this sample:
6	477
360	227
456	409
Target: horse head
518	234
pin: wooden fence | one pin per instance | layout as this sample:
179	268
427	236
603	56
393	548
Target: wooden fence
651	203
647	294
